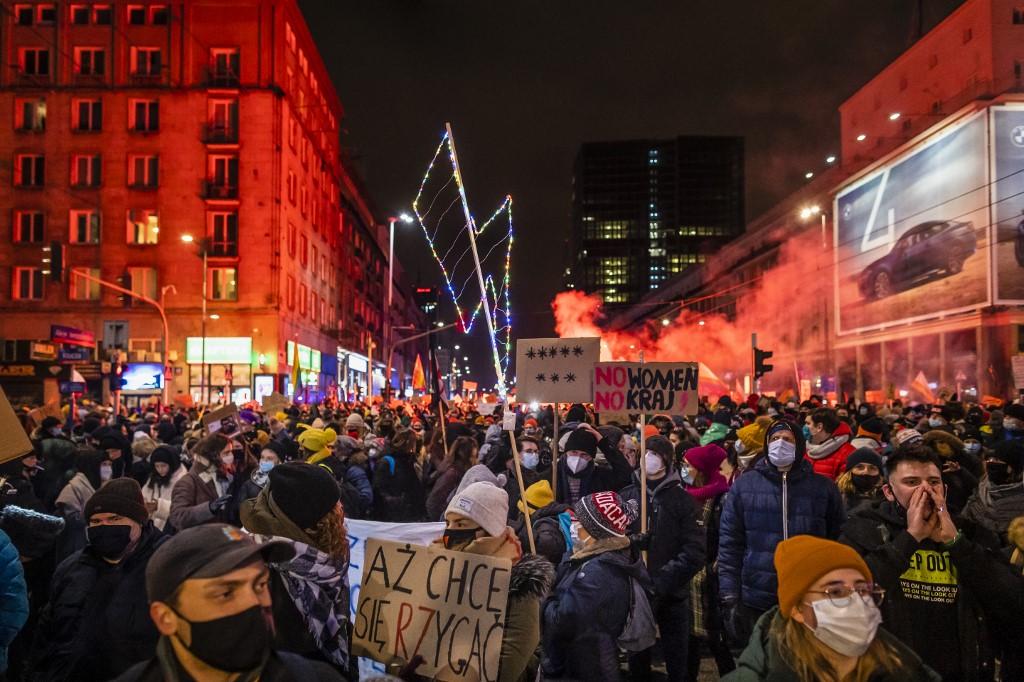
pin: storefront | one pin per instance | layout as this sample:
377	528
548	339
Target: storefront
219	368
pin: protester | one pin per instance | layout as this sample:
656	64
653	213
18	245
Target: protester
675	553
166	472
13	597
270	457
56	452
95	626
301	505
202	495
210	601
999	497
779	498
597	590
861	482
826	626
547	518
351	468
960	470
397	489
829	445
461	456
579	475
316	444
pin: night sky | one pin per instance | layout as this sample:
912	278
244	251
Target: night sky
525	82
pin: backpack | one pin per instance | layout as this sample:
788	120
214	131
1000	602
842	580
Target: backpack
640	631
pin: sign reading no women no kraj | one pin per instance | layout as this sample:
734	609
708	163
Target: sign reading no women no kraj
649	388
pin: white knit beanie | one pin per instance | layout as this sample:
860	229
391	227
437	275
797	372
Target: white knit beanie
483	503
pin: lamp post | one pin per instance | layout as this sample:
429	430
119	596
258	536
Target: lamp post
203	253
405	218
807	213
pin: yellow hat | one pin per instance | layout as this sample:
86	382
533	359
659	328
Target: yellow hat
752	435
801	560
538	496
317	441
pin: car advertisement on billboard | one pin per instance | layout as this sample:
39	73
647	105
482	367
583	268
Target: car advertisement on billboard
912	237
1008	202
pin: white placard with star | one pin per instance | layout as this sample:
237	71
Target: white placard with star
556	370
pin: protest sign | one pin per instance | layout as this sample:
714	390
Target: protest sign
649	388
448	607
556	370
223	419
15	442
274	403
486	409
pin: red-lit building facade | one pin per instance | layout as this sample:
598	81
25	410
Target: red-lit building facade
185	151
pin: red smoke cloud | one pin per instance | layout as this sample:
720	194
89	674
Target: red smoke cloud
784	303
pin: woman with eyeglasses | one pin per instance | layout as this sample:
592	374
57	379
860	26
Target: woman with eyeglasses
826	626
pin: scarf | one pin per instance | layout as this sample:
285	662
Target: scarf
823	450
595	547
715	486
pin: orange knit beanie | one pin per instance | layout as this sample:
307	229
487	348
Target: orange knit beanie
800	561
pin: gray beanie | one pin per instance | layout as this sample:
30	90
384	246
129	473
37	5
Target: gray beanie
484	503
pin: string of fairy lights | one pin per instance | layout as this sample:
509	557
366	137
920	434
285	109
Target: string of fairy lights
432	216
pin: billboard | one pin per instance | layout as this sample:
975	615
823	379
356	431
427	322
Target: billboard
143	376
912	237
1008	202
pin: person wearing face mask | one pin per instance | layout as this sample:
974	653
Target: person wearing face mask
461	456
550	521
779	498
587	610
579	475
167	471
960	470
202	495
938	419
95	625
93	470
826	626
210	600
830	442
861	483
749	445
999	498
948	588
675	553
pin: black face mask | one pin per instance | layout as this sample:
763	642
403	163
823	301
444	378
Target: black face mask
998	472
110	542
865	482
454	538
232	644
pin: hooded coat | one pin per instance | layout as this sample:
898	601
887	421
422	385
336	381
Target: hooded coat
995	506
397	490
764	507
13	597
595	478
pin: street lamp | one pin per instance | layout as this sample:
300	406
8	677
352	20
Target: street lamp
203	252
407	219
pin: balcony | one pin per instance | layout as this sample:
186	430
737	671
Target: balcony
216	190
223	249
221	78
144	78
220	134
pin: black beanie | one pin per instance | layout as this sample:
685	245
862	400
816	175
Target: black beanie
305	493
168	454
863	456
121	496
581	439
662	447
576	413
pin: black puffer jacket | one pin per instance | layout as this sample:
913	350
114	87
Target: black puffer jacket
97	623
397	490
595	478
547	532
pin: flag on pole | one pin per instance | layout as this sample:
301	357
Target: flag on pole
436	385
920	385
419	379
296	377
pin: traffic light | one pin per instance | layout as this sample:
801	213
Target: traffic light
117	380
760	366
56	261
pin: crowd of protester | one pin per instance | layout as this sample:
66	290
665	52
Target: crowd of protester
783	540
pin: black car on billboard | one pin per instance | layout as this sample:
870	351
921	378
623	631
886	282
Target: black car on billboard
926	249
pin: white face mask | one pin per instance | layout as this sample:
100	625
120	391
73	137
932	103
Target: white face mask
575	463
739	447
1011	424
653	465
972	448
574	537
531	459
106	471
56	431
848	629
227	460
686	473
936	422
744	461
781	453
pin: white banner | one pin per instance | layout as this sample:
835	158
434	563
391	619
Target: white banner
556	370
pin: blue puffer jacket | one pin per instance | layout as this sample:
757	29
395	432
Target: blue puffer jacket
13	597
753	524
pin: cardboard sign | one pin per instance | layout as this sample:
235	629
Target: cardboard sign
556	370
1017	363
448	607
274	403
15	442
508	420
486	409
650	388
223	419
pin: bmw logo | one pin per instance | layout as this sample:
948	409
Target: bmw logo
1017	136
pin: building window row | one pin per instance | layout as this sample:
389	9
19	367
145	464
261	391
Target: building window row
80	14
86	171
146	64
27	283
86	115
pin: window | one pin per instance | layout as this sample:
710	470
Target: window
1018	15
303	250
291	240
86	115
30	114
224	66
304	200
102	15
86	170
46	15
28	227
223	120
289	36
223	176
223	284
290	292
26	15
83	289
323	268
143	171
143	226
34	61
315	260
30	170
136	15
84	227
293	187
143	282
90	61
144	115
159	15
312	305
223	226
80	15
303	301
146	62
293	131
28	284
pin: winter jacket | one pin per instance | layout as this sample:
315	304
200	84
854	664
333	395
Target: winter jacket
994	506
57	456
191	498
13	597
586	613
676	549
529	583
444	485
986	587
595	478
75	494
97	622
161	495
548	538
397	489
829	458
753	523
761	659
357	475
71	507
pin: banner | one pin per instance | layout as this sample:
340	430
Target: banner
650	388
448	607
556	370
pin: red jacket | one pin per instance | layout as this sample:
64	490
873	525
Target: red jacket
829	458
